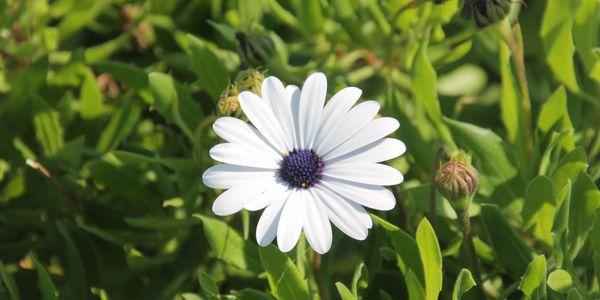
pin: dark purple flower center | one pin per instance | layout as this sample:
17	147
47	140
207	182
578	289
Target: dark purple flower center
301	168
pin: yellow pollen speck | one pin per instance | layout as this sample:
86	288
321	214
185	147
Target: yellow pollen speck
303	184
286	154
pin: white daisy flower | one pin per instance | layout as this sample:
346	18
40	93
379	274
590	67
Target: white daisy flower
305	163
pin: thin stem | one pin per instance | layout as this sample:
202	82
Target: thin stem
514	40
71	203
465	223
432	186
402	220
317	274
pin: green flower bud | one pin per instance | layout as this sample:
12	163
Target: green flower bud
457	180
485	12
247	80
250	80
228	104
254	49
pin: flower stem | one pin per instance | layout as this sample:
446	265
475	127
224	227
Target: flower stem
511	35
465	223
317	275
432	186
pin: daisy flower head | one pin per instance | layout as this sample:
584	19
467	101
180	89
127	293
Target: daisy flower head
307	163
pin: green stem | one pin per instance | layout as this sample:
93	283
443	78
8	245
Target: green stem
317	275
432	186
465	224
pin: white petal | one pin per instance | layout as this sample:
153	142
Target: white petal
341	213
261	115
290	223
226	176
381	150
367	173
364	215
280	101
278	191
239	132
239	154
357	118
312	98
335	109
232	200
374	131
293	92
266	229
372	196
316	225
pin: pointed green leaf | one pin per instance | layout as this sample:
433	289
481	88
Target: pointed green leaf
464	282
557	38
585	199
568	168
285	279
91	98
431	258
512	252
212	75
9	283
44	281
345	293
46	122
555	111
209	287
120	126
414	287
229	245
533	282
538	208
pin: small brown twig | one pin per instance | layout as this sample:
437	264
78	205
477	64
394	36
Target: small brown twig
402	220
71	203
432	185
317	275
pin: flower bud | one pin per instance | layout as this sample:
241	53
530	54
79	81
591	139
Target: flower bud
255	49
247	80
457	180
228	104
485	12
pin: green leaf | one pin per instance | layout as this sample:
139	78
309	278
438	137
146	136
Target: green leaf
212	75
415	289
560	281
538	208
228	245
77	19
285	279
174	103
464	282
251	294
499	177
409	258
555	111
512	252
48	129
360	279
44	283
557	38
311	15
208	285
345	293
568	168
91	98
72	151
126	73
9	283
431	258
123	183
466	80
533	282
251	12
76	272
585	32
120	126
424	89
510	102
585	199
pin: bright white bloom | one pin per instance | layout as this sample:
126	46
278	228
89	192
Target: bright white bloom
305	163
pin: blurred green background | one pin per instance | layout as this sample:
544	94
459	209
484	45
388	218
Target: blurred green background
106	109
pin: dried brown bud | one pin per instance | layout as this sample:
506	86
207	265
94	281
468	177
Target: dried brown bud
457	180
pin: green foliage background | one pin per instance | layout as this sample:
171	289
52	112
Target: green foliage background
105	114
